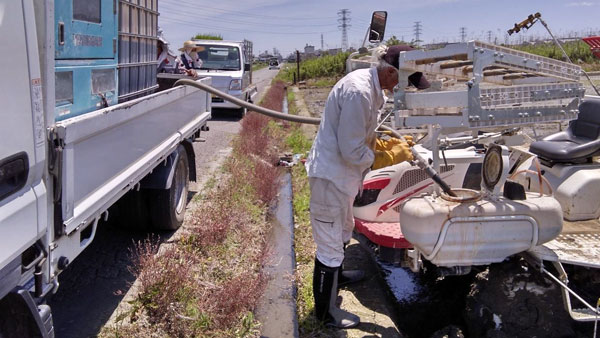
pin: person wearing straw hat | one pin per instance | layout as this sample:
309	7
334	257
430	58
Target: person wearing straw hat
189	56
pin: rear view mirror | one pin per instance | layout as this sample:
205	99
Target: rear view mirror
247	67
377	28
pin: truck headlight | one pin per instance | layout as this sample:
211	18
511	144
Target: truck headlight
235	84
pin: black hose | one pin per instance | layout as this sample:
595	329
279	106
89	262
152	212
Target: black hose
251	106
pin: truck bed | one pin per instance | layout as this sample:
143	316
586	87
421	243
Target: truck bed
107	152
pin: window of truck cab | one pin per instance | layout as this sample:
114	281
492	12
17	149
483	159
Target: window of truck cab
220	57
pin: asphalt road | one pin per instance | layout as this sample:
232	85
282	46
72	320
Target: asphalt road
94	284
223	126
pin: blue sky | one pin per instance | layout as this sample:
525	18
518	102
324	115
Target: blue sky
290	25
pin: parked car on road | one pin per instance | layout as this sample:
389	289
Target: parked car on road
274	64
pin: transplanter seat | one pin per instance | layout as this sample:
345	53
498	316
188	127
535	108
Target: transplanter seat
578	143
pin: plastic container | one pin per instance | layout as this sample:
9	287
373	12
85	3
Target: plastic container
479	232
138	26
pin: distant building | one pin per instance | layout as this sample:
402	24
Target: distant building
308	49
334	51
264	56
291	57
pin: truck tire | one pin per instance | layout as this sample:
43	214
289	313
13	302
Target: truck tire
510	299
241	112
16	320
131	211
167	206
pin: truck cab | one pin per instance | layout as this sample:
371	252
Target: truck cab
228	63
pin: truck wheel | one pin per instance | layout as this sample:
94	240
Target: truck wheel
15	319
131	211
510	299
167	206
241	112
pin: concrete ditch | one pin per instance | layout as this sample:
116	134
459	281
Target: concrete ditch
277	306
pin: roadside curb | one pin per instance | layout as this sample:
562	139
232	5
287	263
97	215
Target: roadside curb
276	309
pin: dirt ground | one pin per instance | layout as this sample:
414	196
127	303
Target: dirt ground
314	99
368	299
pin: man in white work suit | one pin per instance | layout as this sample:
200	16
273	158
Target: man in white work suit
343	152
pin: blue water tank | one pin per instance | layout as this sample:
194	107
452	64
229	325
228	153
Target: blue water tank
85	56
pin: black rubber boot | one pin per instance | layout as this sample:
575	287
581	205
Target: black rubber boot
325	295
349	276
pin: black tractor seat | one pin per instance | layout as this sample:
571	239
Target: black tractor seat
578	143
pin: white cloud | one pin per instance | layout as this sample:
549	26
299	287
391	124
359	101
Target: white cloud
580	4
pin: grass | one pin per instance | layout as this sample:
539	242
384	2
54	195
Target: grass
324	82
259	65
291	100
579	52
207	36
208	282
324	66
297	142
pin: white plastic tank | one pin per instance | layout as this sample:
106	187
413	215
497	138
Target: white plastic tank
479	232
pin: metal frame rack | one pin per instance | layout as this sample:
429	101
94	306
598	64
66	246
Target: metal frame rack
502	88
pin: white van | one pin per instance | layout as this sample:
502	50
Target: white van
229	64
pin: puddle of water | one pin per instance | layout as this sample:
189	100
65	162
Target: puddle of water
402	283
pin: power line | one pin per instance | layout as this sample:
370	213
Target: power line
189	14
212	28
463	34
344	24
418	31
245	14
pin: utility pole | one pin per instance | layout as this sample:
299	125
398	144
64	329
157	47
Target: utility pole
418	30
321	41
463	34
344	24
298	64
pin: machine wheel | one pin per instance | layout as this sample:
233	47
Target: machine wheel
167	206
510	299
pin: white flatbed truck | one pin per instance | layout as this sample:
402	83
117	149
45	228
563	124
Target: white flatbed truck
58	179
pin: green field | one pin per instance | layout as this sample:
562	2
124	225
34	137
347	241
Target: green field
578	51
324	66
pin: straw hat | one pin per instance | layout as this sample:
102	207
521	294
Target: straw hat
191	44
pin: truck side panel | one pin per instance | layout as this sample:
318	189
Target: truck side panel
108	151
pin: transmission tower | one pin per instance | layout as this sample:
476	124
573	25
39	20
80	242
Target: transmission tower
463	34
344	24
418	31
489	34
